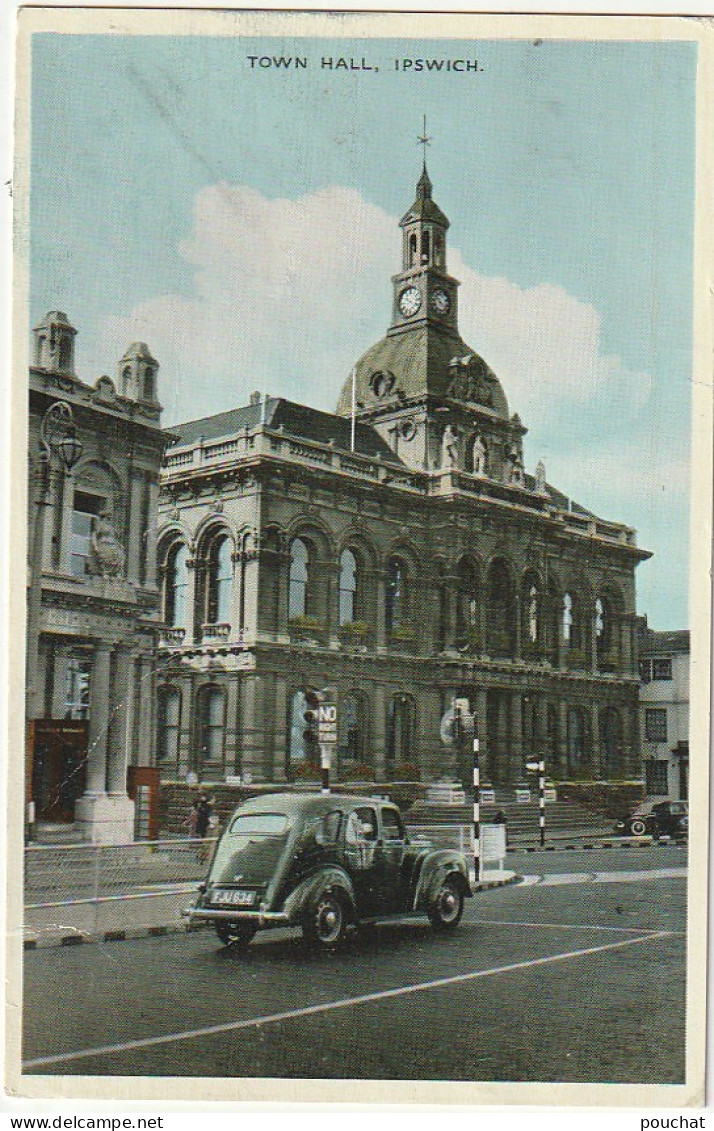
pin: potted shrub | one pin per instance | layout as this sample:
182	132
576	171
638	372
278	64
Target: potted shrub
306	628
354	632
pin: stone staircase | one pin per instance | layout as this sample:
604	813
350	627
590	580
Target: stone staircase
563	818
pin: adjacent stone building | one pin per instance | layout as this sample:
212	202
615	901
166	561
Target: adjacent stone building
664	699
398	552
95	452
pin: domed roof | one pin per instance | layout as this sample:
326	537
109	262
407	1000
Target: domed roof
418	362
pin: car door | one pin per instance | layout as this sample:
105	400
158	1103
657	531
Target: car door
392	847
363	858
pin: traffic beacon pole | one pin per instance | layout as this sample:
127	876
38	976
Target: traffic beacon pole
467	723
541	801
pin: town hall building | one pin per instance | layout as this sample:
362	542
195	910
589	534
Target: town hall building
398	552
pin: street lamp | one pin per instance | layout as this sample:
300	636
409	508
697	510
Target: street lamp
58	434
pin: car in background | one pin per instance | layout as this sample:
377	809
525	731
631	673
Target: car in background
657	819
325	862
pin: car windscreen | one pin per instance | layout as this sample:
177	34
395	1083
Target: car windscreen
250	848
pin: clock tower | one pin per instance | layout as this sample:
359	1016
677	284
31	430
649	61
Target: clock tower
423	292
429	394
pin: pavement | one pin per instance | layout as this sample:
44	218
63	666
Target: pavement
136	914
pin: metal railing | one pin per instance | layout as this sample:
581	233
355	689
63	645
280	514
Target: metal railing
56	875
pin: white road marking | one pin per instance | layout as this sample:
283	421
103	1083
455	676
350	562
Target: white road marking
479	922
555	879
343	1003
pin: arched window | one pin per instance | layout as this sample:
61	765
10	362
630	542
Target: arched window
610	740
466	604
531	611
297	582
401	729
301	750
438	250
500	610
176	585
412	249
148	390
351	737
348	587
572	625
576	738
40	348
65	353
603	626
425	247
167	725
211	723
220	580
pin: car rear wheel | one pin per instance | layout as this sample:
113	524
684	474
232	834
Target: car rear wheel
236	935
638	827
325	925
447	906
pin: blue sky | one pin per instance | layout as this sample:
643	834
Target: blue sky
242	221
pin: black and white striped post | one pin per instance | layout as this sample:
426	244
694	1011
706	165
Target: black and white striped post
541	801
477	811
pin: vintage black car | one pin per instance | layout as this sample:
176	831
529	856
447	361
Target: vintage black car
324	862
660	818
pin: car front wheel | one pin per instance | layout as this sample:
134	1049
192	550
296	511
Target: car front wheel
325	925
446	907
236	935
638	827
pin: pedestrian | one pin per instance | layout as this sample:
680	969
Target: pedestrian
192	821
203	816
500	818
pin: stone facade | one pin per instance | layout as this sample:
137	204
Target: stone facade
664	699
397	552
93	610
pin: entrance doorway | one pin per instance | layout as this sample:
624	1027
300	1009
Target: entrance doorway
58	768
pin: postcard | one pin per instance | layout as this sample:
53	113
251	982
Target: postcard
362	454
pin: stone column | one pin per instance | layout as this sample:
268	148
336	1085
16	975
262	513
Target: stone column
515	760
231	750
595	754
120	730
59	682
187	755
626	665
191	627
280	724
539	728
499	742
563	737
252	728
282	581
96	781
518	626
151	529
135	533
379	732
61	555
380	620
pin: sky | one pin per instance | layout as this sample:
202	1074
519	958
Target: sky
243	221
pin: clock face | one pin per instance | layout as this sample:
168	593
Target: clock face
440	301
409	301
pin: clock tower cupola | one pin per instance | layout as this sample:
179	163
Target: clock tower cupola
423	292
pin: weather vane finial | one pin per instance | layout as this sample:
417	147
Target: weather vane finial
423	140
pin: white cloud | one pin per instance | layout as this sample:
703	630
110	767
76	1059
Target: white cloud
288	293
